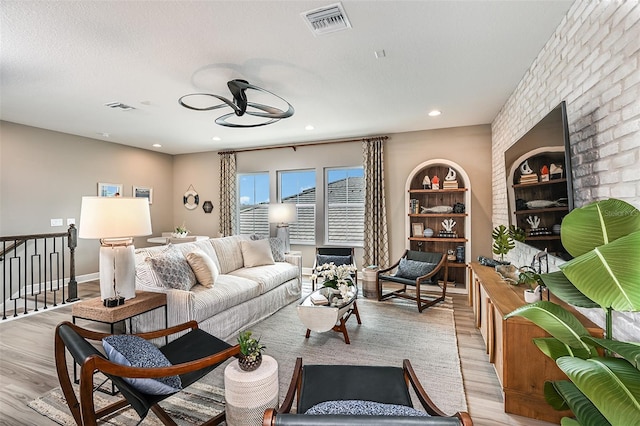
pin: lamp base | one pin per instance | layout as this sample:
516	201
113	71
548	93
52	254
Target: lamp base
282	232
112	302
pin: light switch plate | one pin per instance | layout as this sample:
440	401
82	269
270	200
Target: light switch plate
71	221
56	222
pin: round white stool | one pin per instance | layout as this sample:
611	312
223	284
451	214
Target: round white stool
248	393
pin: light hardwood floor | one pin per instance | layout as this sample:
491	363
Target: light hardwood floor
27	368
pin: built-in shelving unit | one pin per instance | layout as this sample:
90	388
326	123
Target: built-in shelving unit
419	198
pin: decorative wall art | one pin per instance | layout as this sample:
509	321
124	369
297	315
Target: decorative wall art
207	206
191	199
417	229
109	189
143	192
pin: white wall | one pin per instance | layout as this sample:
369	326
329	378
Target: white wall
592	62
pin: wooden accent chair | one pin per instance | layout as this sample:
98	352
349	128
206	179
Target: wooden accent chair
415	268
314	384
192	356
337	255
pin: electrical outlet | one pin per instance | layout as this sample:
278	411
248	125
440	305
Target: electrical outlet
56	222
71	221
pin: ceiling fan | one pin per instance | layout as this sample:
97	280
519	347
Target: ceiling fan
240	105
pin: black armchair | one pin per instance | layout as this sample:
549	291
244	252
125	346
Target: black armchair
192	356
314	384
337	255
417	269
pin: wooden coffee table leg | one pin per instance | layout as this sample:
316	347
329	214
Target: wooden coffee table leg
355	311
343	329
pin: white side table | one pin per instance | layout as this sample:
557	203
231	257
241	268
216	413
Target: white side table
249	393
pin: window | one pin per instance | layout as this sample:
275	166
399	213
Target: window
253	203
299	187
344	188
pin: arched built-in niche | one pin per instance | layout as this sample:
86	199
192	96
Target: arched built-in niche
433	214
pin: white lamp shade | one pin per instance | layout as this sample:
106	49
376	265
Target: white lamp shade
114	217
282	213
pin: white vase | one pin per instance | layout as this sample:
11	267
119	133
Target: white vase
532	296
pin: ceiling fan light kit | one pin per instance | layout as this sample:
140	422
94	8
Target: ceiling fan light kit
240	105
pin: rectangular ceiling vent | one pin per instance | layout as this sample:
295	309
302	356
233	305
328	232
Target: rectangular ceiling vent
119	105
328	19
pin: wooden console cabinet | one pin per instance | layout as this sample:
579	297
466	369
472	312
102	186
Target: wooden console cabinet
521	367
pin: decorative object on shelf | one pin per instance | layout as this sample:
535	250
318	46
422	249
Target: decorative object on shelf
533	221
528	176
282	214
448	232
487	261
180	231
460	254
544	174
414	205
450	181
436	209
502	241
241	106
337	278
543	204
426	182
190	199
509	273
458	208
428	232
536	230
115	221
529	277
417	229
250	356
207	206
555	171
435	183
556	229
451	255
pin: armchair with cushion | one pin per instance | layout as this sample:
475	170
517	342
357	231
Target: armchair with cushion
337	255
357	395
172	367
417	269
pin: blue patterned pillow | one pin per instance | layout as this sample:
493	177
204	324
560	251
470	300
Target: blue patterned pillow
173	270
412	269
363	408
134	351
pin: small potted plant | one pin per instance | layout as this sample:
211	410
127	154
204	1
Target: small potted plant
181	231
533	281
250	356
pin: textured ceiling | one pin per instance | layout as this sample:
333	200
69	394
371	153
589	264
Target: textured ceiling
61	61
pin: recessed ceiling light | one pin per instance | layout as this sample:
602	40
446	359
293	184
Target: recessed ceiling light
379	54
216	138
309	127
156	145
434	113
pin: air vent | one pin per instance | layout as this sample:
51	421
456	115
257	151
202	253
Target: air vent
326	19
119	105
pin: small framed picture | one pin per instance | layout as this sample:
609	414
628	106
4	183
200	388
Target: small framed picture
417	229
143	192
109	189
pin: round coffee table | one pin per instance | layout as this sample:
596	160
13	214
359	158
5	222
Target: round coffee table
322	318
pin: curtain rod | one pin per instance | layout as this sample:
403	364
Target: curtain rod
294	147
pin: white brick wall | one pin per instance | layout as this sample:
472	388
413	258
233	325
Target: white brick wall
592	62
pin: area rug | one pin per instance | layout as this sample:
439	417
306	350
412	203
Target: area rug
390	332
194	405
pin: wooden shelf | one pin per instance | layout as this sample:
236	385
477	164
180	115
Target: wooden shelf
435	191
543	238
438	215
439	240
549	182
454	264
545	210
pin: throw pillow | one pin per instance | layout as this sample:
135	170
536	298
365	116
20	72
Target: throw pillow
256	253
173	270
412	269
277	249
134	351
363	408
321	259
203	267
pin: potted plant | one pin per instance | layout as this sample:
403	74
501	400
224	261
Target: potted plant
604	239
250	356
502	241
181	231
528	276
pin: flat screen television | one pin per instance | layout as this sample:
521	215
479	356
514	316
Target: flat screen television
539	181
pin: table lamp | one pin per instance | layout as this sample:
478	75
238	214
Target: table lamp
283	214
115	221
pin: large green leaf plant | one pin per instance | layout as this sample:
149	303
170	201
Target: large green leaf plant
604	239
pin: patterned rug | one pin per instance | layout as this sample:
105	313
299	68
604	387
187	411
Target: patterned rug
390	332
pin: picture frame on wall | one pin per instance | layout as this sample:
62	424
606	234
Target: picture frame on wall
417	229
143	192
109	189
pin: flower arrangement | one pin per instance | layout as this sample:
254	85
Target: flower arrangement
337	277
251	349
181	231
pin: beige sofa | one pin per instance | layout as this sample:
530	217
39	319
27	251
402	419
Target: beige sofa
239	297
